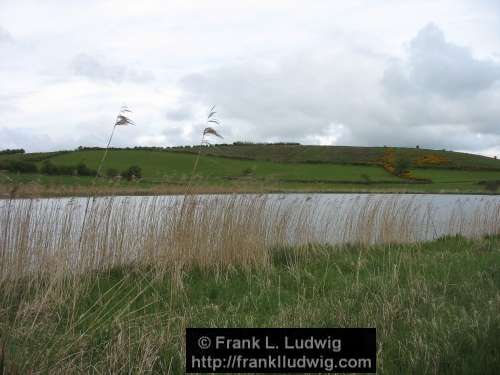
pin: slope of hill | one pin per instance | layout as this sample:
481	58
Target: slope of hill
258	167
172	164
346	155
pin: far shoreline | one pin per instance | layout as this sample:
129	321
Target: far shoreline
29	191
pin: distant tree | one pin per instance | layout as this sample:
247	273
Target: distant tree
418	147
19	166
83	170
12	151
401	165
132	172
49	168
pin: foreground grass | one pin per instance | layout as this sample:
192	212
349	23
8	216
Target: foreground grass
436	307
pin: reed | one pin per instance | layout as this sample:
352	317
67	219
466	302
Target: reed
207	131
60	236
122	119
110	288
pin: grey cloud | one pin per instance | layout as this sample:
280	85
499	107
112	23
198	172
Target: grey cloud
5	36
92	68
180	113
442	83
297	98
436	66
439	96
89	67
24	138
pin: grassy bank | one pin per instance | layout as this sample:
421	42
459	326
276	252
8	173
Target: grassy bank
436	307
34	186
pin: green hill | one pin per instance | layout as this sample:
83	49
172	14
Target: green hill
343	154
178	165
283	166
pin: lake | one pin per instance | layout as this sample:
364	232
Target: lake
130	228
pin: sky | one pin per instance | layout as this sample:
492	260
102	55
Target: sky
363	73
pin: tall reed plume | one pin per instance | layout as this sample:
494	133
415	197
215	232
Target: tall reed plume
121	120
207	131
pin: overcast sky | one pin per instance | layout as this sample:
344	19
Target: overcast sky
371	73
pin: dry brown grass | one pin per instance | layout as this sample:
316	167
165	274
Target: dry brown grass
35	190
58	237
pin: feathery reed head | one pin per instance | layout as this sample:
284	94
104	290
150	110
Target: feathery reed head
122	119
211	114
211	131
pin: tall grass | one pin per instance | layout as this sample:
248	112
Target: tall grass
111	288
58	236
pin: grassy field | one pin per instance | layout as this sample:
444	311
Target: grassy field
273	168
435	306
170	164
456	176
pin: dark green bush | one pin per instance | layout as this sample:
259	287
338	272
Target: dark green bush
66	170
112	172
401	165
18	166
132	172
83	170
24	167
49	168
52	169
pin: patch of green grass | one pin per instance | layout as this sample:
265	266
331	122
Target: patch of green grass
435	307
164	164
456	176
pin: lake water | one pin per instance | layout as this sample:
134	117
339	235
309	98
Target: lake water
86	233
327	218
